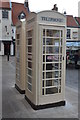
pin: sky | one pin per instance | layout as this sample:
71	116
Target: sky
70	6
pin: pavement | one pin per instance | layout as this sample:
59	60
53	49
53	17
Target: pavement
15	106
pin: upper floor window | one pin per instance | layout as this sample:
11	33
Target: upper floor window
5	14
68	33
75	35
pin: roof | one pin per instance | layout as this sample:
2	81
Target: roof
17	8
78	20
4	4
71	22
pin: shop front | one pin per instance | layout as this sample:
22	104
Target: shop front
46	55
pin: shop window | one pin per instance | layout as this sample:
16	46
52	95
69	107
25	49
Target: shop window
5	14
68	34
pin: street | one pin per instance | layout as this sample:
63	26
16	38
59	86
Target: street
15	106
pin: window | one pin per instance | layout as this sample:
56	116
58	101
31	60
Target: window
5	14
68	33
52	61
75	35
29	60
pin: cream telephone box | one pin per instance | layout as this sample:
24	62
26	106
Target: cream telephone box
45	59
20	56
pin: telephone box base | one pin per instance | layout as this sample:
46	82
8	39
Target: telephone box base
38	107
20	91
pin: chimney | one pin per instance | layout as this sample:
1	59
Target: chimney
55	7
26	3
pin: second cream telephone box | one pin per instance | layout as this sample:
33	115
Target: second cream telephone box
45	63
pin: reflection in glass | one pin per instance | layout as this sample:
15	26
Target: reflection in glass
52	50
52	90
53	58
54	74
53	33
52	41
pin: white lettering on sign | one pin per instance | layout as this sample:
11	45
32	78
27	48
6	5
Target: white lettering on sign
51	19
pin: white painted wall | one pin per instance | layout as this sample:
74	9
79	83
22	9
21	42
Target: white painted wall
14	34
2	49
12	49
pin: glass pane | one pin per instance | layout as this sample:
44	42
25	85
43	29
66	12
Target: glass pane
52	90
43	58
61	33
43	75
44	32
42	91
30	49
55	82
52	66
60	89
29	87
29	41
54	74
52	50
29	56
29	80
43	41
52	41
49	66
43	83
30	64
53	33
29	72
53	58
43	50
43	67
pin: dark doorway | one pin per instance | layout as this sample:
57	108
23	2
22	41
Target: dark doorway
7	48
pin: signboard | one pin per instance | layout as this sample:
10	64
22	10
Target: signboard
51	19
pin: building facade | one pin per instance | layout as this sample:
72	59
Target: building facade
10	14
72	35
5	29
